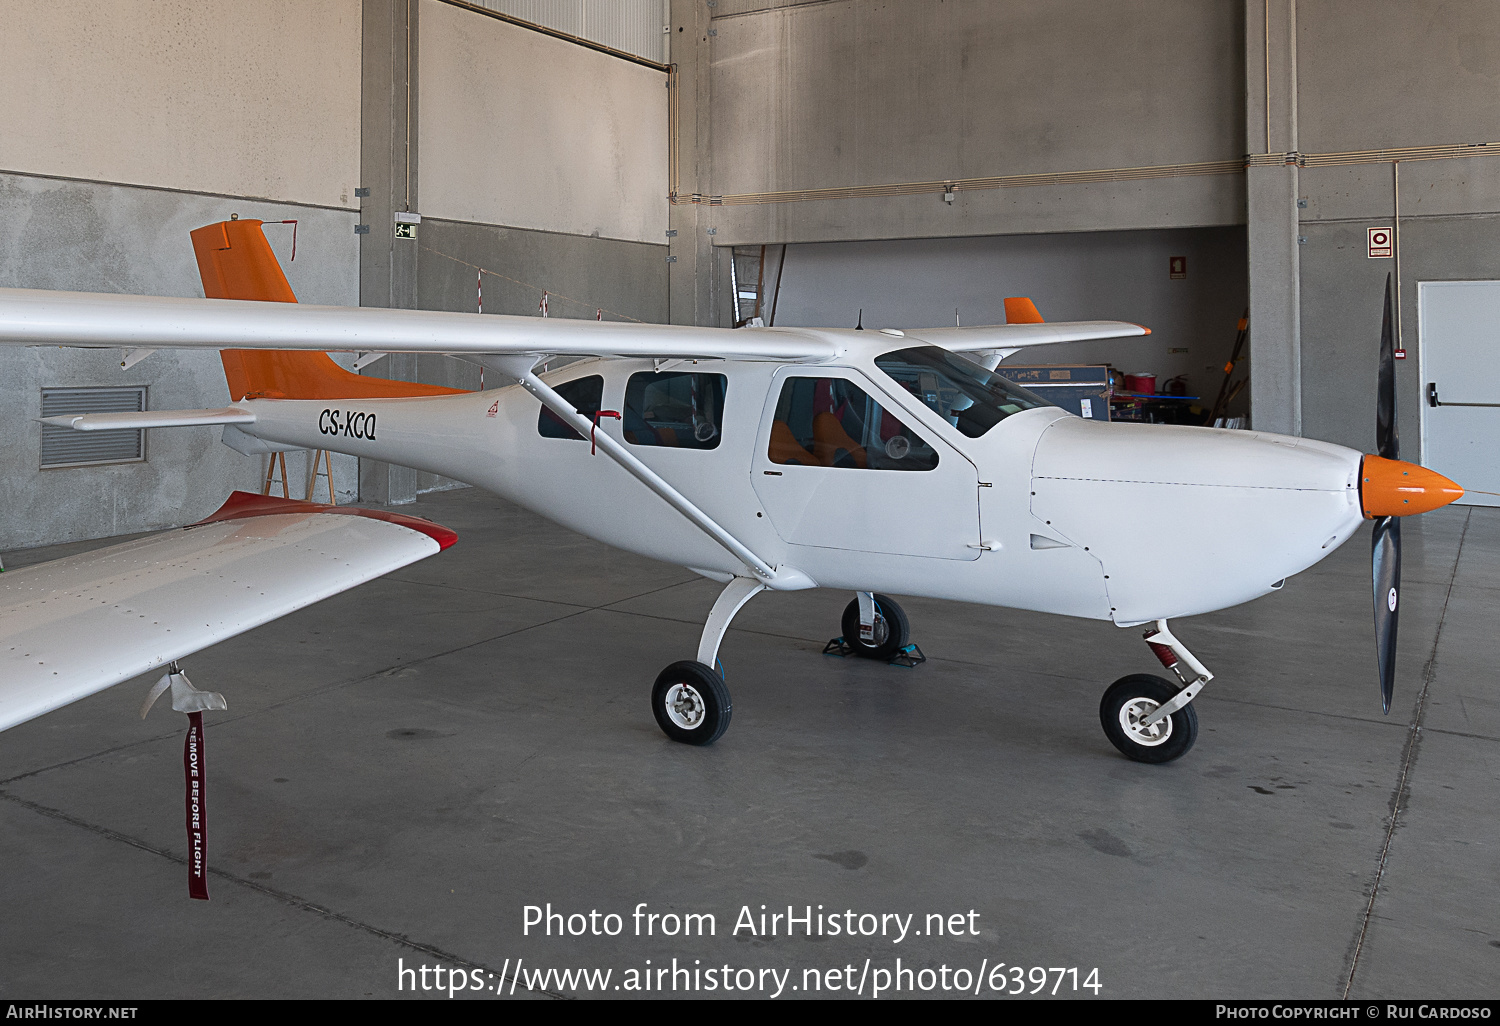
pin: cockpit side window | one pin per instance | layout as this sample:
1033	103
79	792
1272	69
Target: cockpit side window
832	422
960	391
677	411
585	395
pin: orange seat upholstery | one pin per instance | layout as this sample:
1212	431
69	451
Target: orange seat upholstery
786	449
829	437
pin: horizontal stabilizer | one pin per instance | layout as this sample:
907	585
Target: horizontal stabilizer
77	625
149	419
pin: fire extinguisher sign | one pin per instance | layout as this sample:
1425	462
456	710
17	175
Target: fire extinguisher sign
1380	243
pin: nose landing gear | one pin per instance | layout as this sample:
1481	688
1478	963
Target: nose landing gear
1148	718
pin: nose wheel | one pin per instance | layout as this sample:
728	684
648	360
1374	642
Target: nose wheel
1126	711
1148	718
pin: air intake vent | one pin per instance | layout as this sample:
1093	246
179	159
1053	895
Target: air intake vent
64	447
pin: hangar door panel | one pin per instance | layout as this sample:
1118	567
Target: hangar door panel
837	466
1460	363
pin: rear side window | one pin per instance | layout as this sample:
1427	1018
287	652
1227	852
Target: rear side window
584	394
677	411
832	422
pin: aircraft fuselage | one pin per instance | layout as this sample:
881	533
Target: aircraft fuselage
1043	510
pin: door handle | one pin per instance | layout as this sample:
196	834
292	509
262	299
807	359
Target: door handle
1432	398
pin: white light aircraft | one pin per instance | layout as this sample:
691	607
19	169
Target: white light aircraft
876	461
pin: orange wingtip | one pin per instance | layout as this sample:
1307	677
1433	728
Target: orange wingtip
1144	330
1020	310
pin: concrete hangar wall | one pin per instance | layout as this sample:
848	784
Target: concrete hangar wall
128	124
1086	143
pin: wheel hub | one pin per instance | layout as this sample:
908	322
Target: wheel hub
685	706
1134	713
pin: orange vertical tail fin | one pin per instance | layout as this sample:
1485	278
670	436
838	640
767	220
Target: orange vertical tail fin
235	262
1020	310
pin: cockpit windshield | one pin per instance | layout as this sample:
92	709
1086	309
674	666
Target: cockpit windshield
960	391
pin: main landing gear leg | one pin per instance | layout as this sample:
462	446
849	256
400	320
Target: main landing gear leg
874	626
1149	718
690	700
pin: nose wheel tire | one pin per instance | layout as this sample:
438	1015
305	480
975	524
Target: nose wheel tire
1129	701
691	703
891	630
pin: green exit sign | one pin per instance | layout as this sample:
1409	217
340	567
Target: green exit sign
406	231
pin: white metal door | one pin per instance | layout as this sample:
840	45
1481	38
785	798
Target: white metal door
932	512
1460	364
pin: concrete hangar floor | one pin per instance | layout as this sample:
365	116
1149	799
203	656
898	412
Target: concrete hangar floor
405	767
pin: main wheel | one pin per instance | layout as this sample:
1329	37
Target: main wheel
691	703
1132	699
891	630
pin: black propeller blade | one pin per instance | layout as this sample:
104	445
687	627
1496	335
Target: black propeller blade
1387	439
1385	564
1385	543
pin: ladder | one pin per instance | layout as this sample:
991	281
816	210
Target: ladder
747	273
755	280
277	462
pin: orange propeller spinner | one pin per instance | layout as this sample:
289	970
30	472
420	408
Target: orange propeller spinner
1395	488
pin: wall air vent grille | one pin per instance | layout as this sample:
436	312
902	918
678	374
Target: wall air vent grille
64	447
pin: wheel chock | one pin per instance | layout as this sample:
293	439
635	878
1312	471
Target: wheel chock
907	656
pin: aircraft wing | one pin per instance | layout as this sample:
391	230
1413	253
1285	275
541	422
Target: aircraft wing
77	625
1012	337
35	317
41	317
